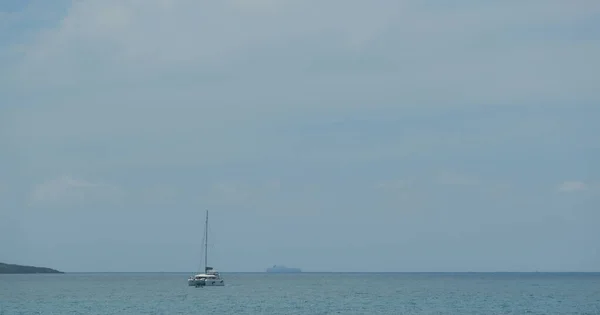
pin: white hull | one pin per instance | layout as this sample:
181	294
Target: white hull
209	279
206	283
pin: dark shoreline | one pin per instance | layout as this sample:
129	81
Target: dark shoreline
21	269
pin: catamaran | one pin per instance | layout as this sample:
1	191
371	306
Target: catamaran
210	277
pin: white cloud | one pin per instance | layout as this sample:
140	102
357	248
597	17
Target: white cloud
193	104
497	52
572	186
66	190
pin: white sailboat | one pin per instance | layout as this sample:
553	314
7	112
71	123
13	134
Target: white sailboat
210	277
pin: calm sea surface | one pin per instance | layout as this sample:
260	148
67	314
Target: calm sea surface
308	293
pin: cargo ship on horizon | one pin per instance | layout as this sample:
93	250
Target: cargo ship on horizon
283	269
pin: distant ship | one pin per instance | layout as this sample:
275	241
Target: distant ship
283	269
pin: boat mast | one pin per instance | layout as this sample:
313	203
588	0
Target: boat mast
206	243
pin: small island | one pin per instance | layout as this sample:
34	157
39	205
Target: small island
20	269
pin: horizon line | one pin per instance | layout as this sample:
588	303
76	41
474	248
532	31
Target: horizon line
342	272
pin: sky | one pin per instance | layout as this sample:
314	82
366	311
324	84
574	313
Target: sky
413	135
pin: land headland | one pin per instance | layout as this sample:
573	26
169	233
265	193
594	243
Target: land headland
20	269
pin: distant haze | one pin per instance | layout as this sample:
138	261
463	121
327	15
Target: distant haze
325	135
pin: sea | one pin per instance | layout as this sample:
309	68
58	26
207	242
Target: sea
304	293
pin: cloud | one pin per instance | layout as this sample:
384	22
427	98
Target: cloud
185	105
66	190
572	186
230	78
335	53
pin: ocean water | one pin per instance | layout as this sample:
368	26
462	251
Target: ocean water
307	293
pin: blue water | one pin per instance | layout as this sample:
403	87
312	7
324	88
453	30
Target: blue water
309	293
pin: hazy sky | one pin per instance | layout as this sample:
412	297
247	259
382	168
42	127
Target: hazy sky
417	135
